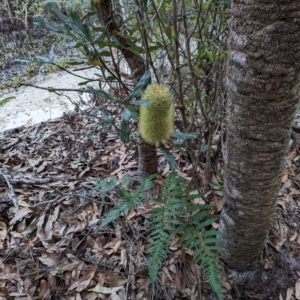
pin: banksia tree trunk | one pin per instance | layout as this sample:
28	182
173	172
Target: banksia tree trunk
147	152
263	90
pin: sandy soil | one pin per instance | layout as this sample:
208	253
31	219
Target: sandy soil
33	105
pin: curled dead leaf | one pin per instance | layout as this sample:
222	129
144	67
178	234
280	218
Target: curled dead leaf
293	237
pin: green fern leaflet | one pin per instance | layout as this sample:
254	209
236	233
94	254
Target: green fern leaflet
177	214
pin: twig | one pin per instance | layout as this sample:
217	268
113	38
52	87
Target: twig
11	190
74	74
51	89
27	180
11	144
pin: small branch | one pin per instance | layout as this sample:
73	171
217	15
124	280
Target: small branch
11	190
74	74
51	89
10	144
27	180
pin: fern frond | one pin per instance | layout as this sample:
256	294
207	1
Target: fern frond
104	185
130	200
164	224
210	264
206	252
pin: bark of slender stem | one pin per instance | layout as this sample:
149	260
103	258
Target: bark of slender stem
263	90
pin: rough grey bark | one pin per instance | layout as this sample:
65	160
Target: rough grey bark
263	91
147	152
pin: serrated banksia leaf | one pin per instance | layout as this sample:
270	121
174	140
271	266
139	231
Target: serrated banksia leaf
157	119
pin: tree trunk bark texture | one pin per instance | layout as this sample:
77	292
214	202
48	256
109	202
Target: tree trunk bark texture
263	91
147	165
109	17
147	153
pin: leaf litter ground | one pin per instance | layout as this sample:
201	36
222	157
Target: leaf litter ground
52	248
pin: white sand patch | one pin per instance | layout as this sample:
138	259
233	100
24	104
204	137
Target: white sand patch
34	105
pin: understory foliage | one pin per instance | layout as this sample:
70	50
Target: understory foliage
175	213
182	45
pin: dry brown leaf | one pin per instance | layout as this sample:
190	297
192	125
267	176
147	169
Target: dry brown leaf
82	283
282	204
294	236
297	289
166	271
115	296
284	178
40	229
11	276
21	213
3	234
289	294
123	260
117	245
48	229
110	245
31	227
227	285
43	289
280	296
49	259
105	290
178	278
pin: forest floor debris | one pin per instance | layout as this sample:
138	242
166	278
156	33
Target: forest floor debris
51	246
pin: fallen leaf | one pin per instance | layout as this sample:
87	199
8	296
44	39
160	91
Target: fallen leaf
289	294
43	289
3	233
293	237
20	214
284	178
115	296
280	296
297	289
49	259
82	283
105	290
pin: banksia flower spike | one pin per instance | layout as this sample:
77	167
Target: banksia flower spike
157	119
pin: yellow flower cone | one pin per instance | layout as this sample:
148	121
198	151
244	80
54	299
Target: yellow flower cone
157	119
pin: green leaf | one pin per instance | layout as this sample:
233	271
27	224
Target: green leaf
21	61
169	32
7	99
105	53
85	82
142	102
125	129
43	23
42	59
104	185
185	135
54	9
169	157
137	91
102	94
